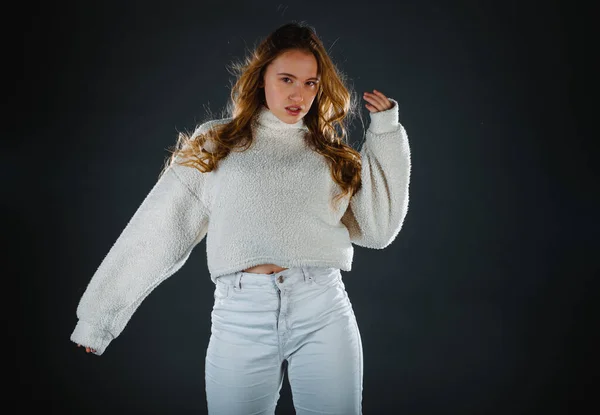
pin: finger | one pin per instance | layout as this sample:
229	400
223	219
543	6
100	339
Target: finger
380	94
387	103
375	100
383	106
371	108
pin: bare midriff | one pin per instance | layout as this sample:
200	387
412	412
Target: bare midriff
265	269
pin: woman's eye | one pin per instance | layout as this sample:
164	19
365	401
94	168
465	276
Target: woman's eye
286	79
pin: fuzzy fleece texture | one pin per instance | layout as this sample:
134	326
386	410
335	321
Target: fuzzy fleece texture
269	204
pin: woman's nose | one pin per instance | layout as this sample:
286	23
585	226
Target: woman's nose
296	97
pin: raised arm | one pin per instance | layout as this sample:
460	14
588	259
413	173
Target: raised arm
376	212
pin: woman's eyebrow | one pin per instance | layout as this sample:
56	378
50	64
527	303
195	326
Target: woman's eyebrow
295	77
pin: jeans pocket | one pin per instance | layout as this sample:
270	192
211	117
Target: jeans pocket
328	277
222	290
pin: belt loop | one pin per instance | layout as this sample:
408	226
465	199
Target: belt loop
238	280
307	275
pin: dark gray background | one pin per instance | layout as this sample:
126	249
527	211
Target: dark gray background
482	305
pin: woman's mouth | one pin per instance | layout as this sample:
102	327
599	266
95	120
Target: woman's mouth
291	112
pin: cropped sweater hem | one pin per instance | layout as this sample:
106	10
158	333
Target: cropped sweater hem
282	262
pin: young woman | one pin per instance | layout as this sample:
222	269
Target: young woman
281	198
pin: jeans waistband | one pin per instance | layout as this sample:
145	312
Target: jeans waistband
288	277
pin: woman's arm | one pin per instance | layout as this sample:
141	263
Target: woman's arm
376	212
157	241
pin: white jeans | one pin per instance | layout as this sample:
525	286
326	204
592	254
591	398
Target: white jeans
302	315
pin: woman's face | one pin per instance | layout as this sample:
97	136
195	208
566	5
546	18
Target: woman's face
291	80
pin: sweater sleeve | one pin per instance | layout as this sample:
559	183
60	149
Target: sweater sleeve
376	212
156	242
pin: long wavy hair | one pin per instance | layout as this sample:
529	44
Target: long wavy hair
333	107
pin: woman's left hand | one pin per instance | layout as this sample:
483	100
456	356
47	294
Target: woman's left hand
378	101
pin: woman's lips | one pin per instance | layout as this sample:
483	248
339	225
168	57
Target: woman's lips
292	112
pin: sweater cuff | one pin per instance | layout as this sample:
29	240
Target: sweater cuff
88	335
385	121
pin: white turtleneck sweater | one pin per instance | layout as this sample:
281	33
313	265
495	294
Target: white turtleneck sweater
271	204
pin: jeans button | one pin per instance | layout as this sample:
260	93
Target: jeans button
280	279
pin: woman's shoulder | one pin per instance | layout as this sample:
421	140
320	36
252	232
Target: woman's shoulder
207	125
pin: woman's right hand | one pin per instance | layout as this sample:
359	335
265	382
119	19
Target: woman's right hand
87	349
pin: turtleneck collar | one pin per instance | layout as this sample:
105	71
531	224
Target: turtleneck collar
267	119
